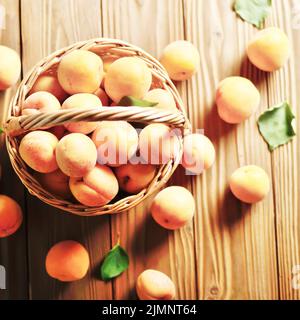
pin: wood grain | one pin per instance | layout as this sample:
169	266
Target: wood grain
13	250
283	85
230	250
235	243
57	24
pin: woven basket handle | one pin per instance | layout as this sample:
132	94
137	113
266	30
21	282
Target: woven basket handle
18	125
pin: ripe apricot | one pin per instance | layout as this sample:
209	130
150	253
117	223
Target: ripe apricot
116	142
198	153
181	60
11	216
269	50
101	94
84	101
158	143
96	188
37	149
133	178
58	131
128	76
41	101
237	99
249	184
173	207
10	67
76	155
67	261
155	285
107	61
49	83
163	97
56	183
80	71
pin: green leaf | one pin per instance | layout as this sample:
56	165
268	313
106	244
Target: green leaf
276	125
253	11
115	262
1	130
131	101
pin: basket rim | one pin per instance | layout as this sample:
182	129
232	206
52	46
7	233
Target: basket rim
108	46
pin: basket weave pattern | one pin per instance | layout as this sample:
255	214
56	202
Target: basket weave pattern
16	125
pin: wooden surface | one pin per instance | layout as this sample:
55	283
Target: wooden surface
230	250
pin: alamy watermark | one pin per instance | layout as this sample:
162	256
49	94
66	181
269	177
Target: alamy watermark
2	278
155	147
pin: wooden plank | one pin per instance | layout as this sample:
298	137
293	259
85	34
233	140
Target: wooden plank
13	250
235	243
55	24
150	25
284	85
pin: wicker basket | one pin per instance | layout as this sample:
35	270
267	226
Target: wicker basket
16	125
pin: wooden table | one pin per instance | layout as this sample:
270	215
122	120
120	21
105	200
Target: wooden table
230	250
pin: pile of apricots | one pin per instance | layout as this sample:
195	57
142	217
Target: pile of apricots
69	162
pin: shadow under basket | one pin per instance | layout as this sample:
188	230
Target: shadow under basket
17	125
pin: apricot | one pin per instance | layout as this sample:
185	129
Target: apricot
237	99
96	188
10	67
67	261
173	207
116	142
198	153
80	71
37	149
128	76
155	285
49	83
249	184
58	131
56	183
269	50
163	97
82	100
181	59
107	61
41	101
11	216
101	94
76	155
158	143
133	178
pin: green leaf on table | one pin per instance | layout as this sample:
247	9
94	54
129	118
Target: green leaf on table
276	125
131	101
253	11
115	262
